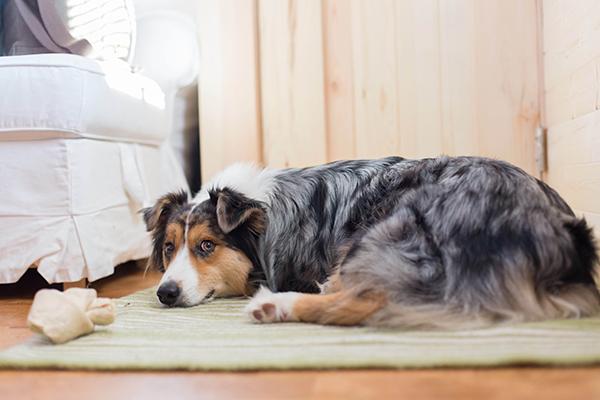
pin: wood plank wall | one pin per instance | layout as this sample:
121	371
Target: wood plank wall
228	95
301	82
571	36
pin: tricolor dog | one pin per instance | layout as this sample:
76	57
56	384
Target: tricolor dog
433	243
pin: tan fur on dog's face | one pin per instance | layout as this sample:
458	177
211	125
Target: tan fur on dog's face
225	269
199	246
221	272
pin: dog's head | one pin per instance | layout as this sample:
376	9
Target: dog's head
204	249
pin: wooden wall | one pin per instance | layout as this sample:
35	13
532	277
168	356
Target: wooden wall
571	38
301	82
228	95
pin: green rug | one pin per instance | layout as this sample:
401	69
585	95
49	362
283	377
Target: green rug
217	336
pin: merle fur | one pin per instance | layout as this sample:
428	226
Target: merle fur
462	231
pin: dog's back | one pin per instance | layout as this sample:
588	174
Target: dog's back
446	242
476	241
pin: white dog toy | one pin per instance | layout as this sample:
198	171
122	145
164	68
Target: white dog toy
63	316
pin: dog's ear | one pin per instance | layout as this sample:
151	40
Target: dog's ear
234	210
163	207
156	218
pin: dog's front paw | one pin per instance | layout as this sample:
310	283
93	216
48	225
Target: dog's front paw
267	307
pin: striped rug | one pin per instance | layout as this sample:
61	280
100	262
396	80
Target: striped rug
217	336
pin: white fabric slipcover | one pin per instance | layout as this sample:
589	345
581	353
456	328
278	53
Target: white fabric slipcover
70	206
65	95
83	147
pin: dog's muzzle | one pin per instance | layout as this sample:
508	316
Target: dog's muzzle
168	293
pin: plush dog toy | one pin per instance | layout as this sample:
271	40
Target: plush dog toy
62	316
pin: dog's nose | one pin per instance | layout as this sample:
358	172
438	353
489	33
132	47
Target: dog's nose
168	293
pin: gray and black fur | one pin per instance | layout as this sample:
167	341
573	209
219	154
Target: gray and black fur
449	241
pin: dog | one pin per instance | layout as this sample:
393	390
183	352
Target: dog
437	243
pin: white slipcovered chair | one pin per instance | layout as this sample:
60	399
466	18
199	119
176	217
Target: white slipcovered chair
84	145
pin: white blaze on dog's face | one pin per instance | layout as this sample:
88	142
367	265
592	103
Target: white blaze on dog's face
200	246
200	264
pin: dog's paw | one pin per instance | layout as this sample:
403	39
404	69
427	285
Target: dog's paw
267	307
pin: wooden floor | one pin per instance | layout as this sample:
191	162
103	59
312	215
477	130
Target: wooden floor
514	383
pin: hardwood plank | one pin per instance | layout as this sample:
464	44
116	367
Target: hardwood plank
495	384
292	82
375	70
15	299
13	328
82	283
339	84
228	87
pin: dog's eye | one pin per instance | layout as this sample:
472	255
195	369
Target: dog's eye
168	249
206	246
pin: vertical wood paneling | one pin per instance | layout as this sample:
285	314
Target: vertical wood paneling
507	80
363	78
374	62
292	82
228	85
460	131
418	77
339	82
